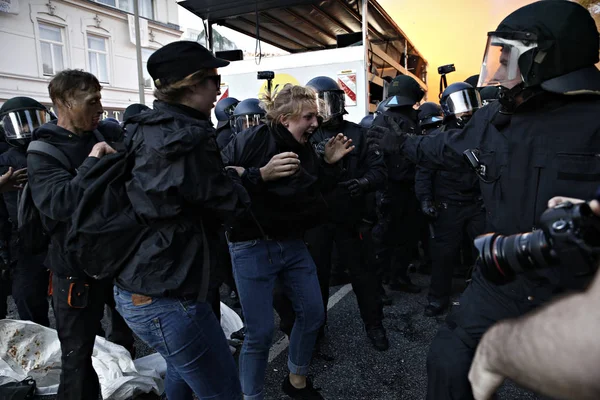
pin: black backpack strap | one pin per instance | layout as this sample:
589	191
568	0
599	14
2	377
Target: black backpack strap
39	147
99	136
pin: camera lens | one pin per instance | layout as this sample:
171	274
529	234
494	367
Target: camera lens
502	257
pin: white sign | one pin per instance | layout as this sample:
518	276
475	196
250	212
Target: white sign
9	6
347	82
143	30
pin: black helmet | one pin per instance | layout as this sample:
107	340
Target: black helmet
224	110
489	94
381	108
19	117
430	116
472	80
333	99
460	101
246	114
404	91
367	121
134	109
552	43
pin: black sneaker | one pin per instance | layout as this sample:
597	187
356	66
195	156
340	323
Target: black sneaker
309	392
378	338
239	335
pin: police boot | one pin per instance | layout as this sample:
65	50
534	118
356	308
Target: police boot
402	283
435	307
378	337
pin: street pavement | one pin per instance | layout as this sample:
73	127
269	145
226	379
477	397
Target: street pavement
359	372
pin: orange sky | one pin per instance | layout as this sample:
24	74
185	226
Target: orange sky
450	32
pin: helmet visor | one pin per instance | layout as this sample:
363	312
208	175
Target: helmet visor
19	124
463	101
331	104
243	122
501	61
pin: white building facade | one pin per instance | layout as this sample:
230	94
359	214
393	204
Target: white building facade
38	38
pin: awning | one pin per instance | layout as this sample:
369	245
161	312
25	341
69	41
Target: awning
307	25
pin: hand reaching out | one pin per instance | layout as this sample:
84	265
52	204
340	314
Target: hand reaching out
337	148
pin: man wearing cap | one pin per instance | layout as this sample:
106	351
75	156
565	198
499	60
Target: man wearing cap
397	205
180	187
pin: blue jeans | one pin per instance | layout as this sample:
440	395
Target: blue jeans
187	334
256	266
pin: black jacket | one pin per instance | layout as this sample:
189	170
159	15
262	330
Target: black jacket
446	185
360	163
16	158
178	181
400	168
56	191
287	207
548	147
224	136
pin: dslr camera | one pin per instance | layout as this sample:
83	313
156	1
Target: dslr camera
569	236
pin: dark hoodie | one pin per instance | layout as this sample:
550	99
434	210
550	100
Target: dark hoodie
178	181
56	191
287	207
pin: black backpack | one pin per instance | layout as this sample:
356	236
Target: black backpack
33	236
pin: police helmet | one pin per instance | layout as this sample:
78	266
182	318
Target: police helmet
332	99
403	91
460	101
472	80
246	114
381	108
489	94
430	116
367	121
134	109
552	43
19	117
224	110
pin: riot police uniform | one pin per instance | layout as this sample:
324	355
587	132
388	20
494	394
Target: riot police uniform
451	199
397	206
538	141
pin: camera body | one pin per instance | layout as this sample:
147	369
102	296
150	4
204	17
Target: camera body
570	237
268	75
446	69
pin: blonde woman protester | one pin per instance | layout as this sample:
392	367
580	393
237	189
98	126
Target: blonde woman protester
267	243
179	186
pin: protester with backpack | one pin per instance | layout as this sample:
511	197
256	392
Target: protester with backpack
180	190
66	151
19	117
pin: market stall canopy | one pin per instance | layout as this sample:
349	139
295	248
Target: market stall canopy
307	25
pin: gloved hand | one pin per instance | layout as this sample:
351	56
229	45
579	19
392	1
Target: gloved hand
388	138
429	209
356	187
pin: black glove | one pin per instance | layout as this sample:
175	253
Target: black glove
356	187
429	209
388	139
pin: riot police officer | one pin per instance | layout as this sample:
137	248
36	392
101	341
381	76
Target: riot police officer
19	117
363	172
224	113
396	204
536	142
247	113
451	200
430	117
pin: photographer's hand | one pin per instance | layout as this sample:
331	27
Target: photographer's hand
555	201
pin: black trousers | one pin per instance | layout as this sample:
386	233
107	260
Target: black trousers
30	288
77	324
481	305
397	231
352	254
450	228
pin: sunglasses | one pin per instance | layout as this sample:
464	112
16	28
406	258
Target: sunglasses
214	78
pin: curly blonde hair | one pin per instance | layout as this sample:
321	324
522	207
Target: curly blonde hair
288	102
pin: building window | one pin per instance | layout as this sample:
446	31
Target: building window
146	53
52	47
146	7
98	57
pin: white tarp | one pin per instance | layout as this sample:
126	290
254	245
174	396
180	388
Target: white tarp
28	349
